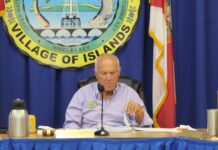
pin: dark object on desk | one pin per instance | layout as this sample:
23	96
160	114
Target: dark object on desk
135	84
3	130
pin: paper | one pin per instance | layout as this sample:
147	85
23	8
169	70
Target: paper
156	129
186	127
118	129
74	133
45	127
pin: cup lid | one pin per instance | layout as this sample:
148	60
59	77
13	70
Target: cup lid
18	104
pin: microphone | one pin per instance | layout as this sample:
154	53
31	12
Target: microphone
100	88
102	131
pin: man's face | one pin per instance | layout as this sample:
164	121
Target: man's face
108	73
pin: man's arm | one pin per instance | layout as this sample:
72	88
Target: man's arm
73	116
135	106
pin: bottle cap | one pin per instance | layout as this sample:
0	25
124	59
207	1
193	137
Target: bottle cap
18	104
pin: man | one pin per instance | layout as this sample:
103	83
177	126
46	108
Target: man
84	110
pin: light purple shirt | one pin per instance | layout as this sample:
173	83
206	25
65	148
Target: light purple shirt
84	109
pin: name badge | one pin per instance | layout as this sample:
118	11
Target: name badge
91	105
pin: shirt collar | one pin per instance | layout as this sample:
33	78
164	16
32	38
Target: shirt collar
97	94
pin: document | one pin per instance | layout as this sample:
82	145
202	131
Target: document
157	129
118	129
74	133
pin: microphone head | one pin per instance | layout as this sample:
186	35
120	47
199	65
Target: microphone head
100	87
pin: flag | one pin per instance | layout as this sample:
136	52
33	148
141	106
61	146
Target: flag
2	8
163	90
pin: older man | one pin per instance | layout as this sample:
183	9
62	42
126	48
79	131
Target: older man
84	110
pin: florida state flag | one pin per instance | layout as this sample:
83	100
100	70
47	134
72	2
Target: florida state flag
2	8
164	96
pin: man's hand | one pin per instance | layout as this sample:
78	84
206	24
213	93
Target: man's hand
134	108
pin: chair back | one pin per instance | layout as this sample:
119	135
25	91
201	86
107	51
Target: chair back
135	84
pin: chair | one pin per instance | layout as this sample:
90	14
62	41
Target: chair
135	84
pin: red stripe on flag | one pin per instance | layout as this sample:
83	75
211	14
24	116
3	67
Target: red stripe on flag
157	3
2	7
167	114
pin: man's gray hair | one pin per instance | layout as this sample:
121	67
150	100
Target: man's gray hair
107	55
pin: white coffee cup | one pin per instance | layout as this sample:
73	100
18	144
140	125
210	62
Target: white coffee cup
212	122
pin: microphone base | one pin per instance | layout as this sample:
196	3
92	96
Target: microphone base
102	132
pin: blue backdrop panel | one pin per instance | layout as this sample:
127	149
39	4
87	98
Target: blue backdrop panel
195	47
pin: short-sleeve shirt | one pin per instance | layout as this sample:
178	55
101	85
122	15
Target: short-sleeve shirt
84	109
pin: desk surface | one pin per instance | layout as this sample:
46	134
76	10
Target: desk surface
132	140
200	134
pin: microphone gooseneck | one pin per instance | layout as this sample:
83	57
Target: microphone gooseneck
102	131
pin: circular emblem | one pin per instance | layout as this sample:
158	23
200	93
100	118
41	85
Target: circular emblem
70	33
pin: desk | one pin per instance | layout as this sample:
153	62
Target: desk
133	140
